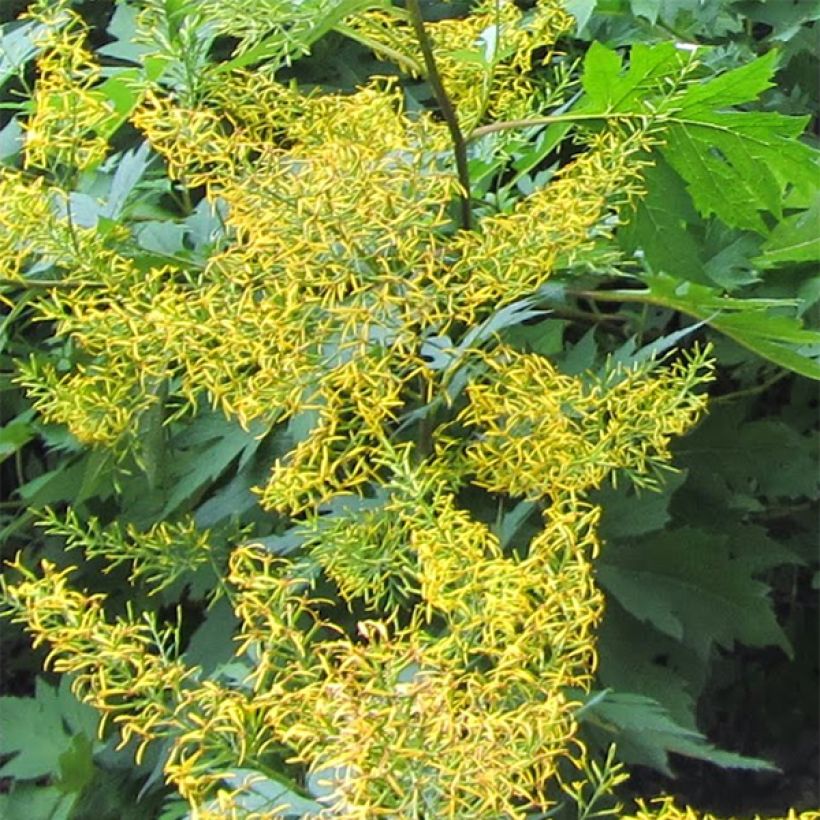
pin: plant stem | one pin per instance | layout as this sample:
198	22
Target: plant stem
727	398
509	125
447	109
33	284
639	296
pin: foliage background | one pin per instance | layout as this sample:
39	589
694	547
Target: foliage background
709	647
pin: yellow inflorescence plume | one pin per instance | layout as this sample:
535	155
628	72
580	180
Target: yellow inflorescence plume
467	721
664	808
485	60
453	697
542	433
71	120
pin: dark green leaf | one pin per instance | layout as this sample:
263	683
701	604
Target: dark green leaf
628	511
764	458
634	657
35	731
18	45
205	450
76	765
581	10
212	643
659	226
686	583
26	801
581	356
130	169
646	8
16	434
645	733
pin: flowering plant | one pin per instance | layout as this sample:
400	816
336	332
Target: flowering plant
402	648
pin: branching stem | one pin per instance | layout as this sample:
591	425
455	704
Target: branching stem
36	284
510	125
446	107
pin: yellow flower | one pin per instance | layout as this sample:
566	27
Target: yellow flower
71	118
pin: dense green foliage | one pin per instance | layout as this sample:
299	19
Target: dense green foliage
139	433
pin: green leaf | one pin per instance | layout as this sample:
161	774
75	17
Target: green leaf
545	338
508	316
234	499
270	797
165	238
98	470
635	657
18	45
514	521
751	322
530	152
765	458
130	169
212	643
204	451
123	93
646	8
658	226
629	511
26	801
734	87
38	731
581	10
737	164
76	765
59	484
122	28
33	732
581	356
153	437
729	256
601	68
79	717
645	734
688	585
16	434
795	239
785	19
608	90
756	551
11	140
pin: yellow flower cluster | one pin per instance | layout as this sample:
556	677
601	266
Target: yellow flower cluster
664	808
159	555
126	671
26	203
72	119
485	60
337	212
513	254
542	433
114	667
340	260
406	718
286	27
